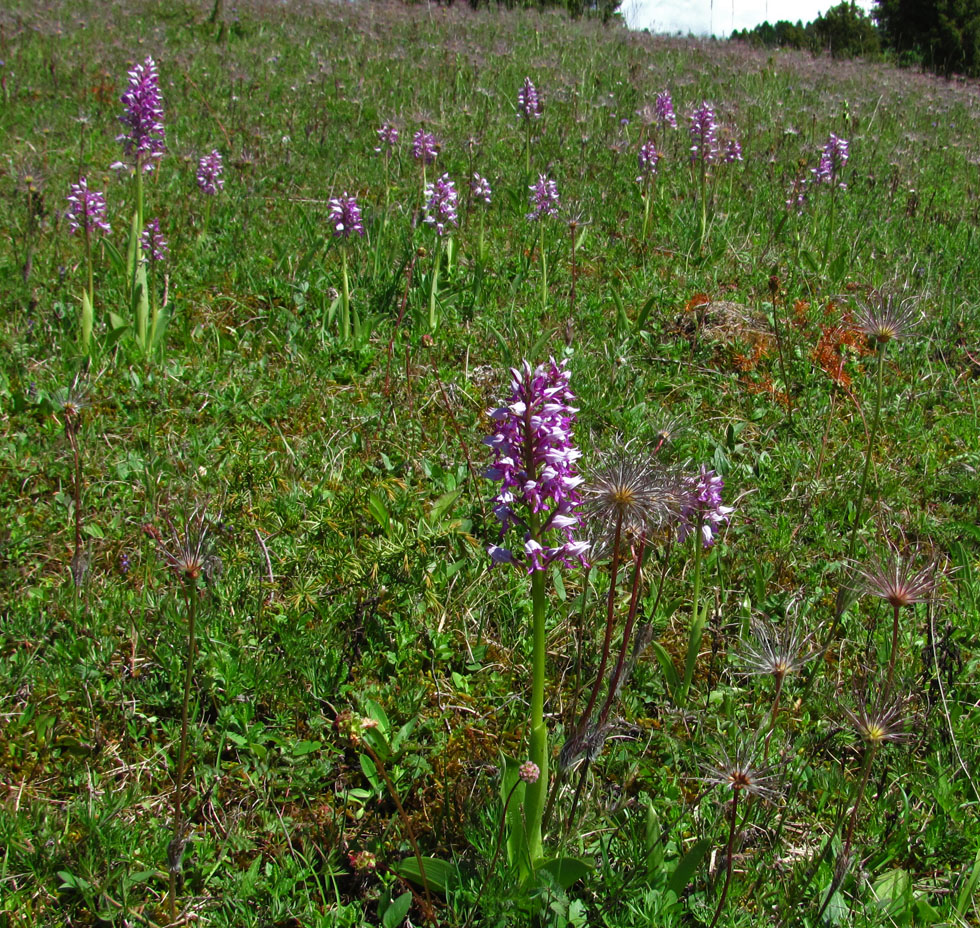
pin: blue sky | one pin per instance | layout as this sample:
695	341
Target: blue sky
704	17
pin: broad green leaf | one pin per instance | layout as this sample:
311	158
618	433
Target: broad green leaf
969	888
641	319
439	874
134	237
442	505
566	870
370	771
70	881
666	666
687	865
141	305
378	509
395	914
893	892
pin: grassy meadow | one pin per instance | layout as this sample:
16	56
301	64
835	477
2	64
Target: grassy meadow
257	667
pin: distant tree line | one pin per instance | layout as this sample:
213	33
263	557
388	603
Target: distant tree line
941	35
603	9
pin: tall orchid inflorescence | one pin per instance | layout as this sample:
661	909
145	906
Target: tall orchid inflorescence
387	138
528	101
648	159
87	214
832	160
544	198
535	461
345	216
480	188
152	242
209	170
441	203
424	147
703	510
665	110
144	138
86	209
703	130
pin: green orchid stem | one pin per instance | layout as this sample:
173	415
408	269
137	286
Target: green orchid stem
527	148
139	194
434	287
538	753
345	298
544	271
704	202
830	227
647	205
91	271
697	625
872	437
177	843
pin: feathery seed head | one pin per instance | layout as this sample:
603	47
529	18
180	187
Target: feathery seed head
776	651
640	496
879	719
886	318
740	774
894	578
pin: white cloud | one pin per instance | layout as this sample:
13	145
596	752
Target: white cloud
720	17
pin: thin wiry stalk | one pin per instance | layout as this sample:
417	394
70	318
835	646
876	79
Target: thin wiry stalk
176	850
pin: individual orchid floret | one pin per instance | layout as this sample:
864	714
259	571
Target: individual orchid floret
704	134
345	216
544	198
528	101
703	508
832	160
535	462
648	159
480	188
86	209
441	202
209	170
797	195
424	147
387	138
665	110
144	136
152	243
